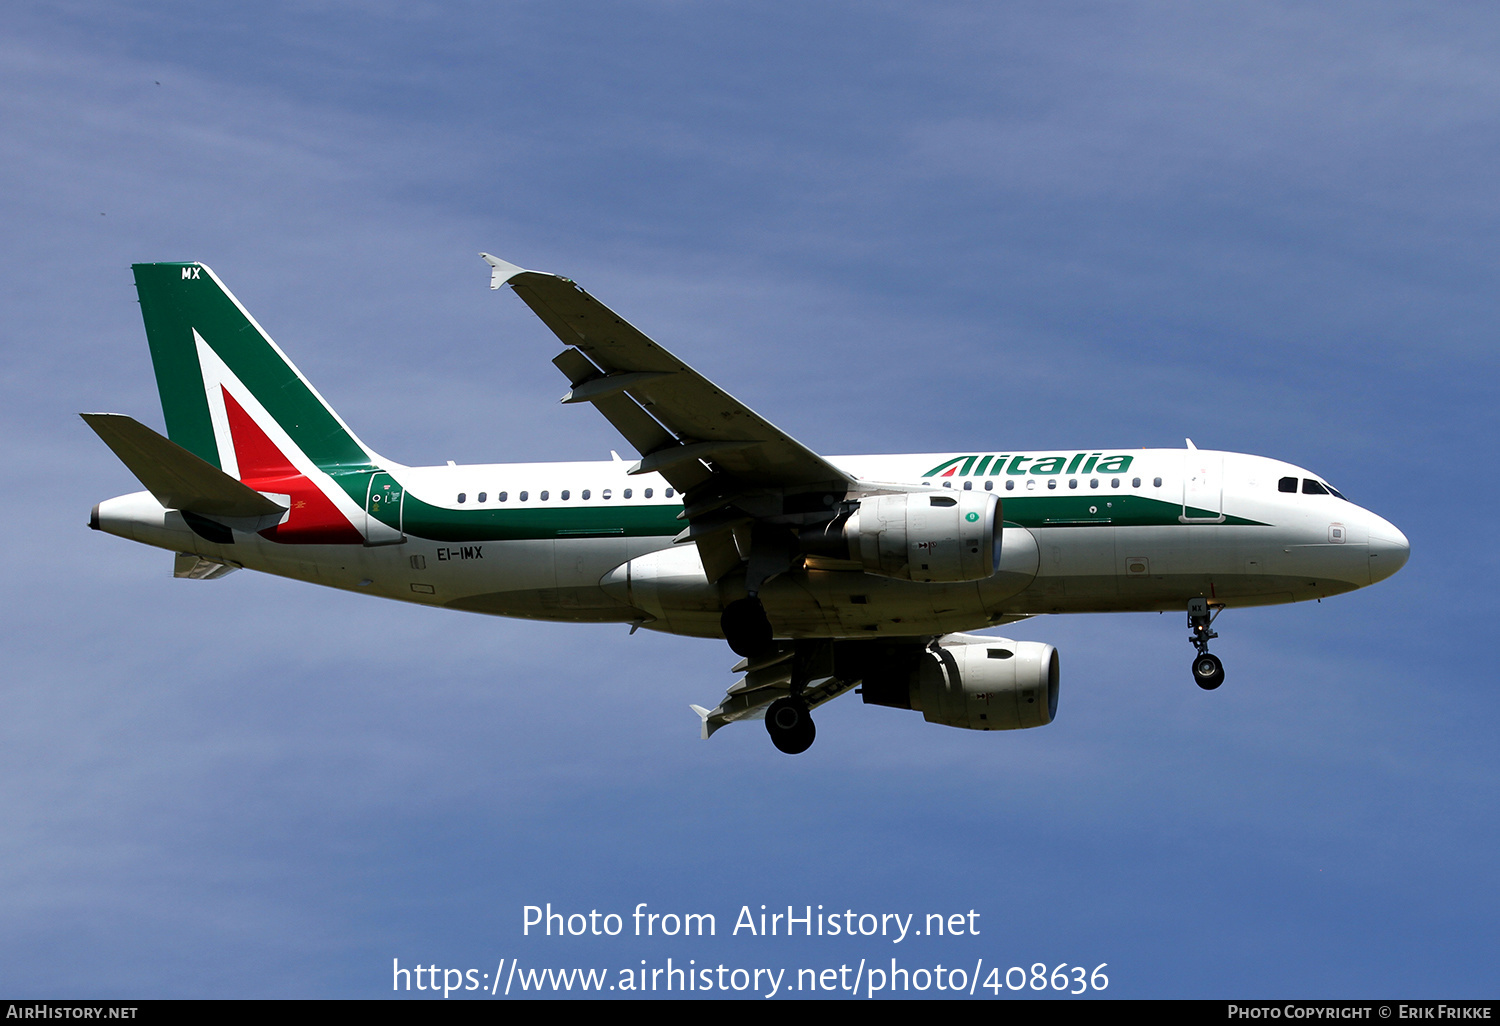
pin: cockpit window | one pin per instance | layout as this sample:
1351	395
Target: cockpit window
1311	487
1287	484
1334	491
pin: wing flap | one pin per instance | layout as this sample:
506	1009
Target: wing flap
626	416
197	568
719	554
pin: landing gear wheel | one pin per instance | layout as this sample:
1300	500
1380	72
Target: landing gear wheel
746	628
1208	672
790	725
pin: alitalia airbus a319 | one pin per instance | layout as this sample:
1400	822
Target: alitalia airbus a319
822	573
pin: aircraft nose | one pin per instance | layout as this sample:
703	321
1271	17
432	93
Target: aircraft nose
1389	549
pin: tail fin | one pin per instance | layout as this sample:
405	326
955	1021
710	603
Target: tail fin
204	344
233	399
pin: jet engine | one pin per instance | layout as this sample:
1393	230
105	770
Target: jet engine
968	680
930	537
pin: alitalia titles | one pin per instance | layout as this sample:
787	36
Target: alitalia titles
994	466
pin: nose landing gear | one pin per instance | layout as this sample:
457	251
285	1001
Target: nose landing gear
1208	671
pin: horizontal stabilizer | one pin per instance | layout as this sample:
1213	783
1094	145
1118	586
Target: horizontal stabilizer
177	478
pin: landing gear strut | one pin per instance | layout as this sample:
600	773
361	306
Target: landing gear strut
1208	672
794	665
790	725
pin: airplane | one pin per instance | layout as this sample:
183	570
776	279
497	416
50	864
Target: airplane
824	574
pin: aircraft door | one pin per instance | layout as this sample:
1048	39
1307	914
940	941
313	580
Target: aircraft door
1202	487
383	510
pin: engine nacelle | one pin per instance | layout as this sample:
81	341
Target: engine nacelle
944	537
975	682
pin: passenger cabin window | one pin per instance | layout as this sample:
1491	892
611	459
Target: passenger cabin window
502	496
1093	482
565	495
648	493
461	498
968	486
1072	482
604	494
585	493
1311	487
627	493
481	496
989	486
669	493
1051	484
523	496
1135	482
1287	484
1156	482
1010	486
1114	482
543	497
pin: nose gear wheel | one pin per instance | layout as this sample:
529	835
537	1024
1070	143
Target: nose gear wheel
1208	672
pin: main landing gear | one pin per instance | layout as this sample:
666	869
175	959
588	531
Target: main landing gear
790	725
746	627
748	631
1208	672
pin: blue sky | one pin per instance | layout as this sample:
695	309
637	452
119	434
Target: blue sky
889	228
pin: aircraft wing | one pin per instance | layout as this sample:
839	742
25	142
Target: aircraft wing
764	683
719	453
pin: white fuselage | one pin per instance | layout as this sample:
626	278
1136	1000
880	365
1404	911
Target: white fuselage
1177	524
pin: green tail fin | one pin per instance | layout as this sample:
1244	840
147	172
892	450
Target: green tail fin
205	347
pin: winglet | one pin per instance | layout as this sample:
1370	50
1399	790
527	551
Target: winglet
703	715
501	271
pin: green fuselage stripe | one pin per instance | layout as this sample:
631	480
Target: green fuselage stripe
517	523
